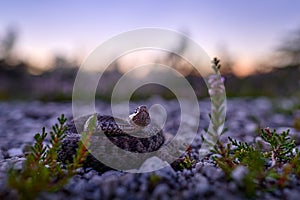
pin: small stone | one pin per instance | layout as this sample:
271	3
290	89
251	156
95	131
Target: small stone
111	175
144	186
79	187
278	119
15	152
121	191
277	193
167	172
80	171
202	185
266	146
250	127
199	166
3	178
19	164
292	194
90	174
232	186
249	139
26	149
96	180
4	165
212	173
239	173
151	164
160	190
108	186
1	155
72	183
186	194
48	196
194	171
92	195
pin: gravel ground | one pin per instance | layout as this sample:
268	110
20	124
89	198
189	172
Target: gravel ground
21	120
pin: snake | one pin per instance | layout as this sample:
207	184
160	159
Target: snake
137	134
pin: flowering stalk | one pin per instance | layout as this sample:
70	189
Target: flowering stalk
217	94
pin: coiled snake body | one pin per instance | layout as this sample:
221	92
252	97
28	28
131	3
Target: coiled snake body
137	135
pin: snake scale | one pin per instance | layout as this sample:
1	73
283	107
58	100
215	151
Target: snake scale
123	133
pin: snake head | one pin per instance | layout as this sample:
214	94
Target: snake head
141	116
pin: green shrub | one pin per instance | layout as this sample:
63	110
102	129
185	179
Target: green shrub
41	170
270	164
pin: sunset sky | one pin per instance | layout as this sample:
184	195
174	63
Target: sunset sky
250	30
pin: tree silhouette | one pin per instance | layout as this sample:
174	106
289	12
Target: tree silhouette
290	48
8	42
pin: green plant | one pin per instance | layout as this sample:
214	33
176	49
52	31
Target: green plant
217	94
266	165
41	170
187	162
280	152
281	145
296	123
154	180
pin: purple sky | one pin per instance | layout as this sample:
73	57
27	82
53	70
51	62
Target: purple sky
249	29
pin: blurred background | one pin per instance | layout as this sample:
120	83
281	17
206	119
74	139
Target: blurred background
42	44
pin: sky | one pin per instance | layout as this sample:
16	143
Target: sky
249	30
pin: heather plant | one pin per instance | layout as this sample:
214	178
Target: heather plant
270	163
296	121
187	161
216	91
41	171
265	165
